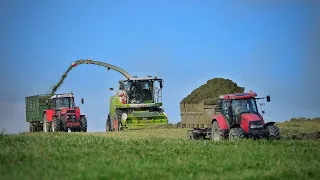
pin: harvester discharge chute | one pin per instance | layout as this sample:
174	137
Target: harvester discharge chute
137	102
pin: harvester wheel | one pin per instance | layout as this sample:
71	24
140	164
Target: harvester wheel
56	123
216	133
274	132
108	124
237	133
83	123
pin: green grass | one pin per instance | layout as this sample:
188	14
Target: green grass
162	153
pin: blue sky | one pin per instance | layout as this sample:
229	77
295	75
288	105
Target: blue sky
271	48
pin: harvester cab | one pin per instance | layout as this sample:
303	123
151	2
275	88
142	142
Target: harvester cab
63	114
239	118
141	90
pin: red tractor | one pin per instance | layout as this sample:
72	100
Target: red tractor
63	115
239	118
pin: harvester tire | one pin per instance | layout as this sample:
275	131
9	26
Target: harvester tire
56	124
274	132
108	124
216	133
83	123
237	133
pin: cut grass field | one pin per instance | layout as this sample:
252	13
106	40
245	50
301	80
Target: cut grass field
163	153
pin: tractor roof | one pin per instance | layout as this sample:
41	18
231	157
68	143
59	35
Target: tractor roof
239	96
62	95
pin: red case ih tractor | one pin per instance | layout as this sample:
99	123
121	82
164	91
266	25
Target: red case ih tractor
239	118
63	115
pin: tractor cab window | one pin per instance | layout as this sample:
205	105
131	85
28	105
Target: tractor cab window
244	105
61	102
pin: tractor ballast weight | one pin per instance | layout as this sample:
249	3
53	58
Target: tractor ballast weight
230	116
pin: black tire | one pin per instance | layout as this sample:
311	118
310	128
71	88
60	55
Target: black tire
274	132
56	124
216	133
83	123
31	128
237	133
108	124
46	125
192	136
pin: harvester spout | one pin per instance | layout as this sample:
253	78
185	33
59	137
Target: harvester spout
99	63
88	61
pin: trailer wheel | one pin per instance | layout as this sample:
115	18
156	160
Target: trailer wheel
83	122
31	129
192	136
237	133
216	133
274	132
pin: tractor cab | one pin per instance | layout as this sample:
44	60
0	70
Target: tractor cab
234	106
140	90
61	101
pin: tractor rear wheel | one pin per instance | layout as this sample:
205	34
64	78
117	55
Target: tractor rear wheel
237	133
56	124
274	132
46	124
83	124
216	133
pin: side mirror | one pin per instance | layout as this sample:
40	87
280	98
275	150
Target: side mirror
263	112
268	98
82	100
111	89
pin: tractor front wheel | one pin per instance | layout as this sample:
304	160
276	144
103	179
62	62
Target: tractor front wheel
237	133
274	132
83	122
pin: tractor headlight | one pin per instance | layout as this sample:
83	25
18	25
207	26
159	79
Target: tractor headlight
253	126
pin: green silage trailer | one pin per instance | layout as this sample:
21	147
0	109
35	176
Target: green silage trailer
35	105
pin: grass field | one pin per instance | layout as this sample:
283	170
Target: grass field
163	153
